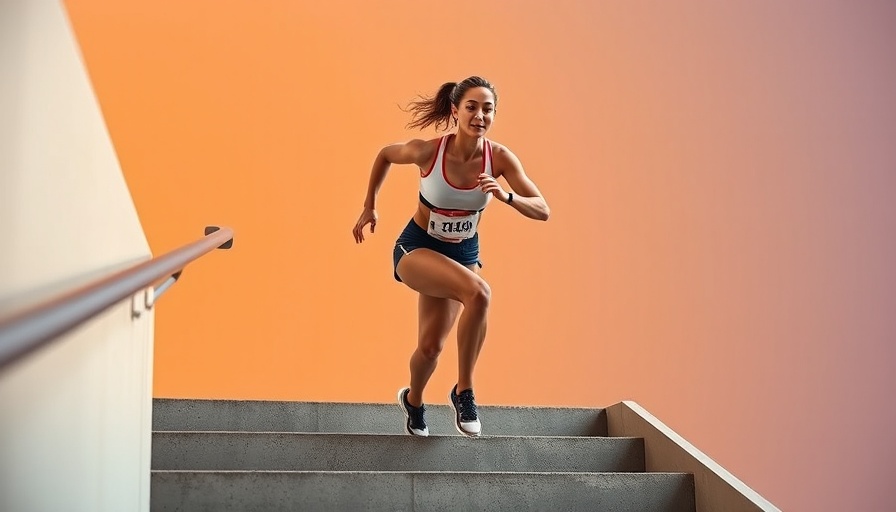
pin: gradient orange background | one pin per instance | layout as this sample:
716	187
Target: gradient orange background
721	176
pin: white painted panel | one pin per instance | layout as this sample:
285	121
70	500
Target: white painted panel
75	417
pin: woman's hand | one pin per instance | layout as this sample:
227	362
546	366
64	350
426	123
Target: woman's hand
368	216
489	185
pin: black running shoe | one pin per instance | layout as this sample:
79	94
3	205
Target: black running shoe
416	424
466	418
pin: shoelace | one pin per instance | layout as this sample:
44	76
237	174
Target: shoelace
467	406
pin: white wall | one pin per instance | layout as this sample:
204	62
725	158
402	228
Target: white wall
75	417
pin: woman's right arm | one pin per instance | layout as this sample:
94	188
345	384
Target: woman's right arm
412	152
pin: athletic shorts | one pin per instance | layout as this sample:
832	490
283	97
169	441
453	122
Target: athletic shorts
413	237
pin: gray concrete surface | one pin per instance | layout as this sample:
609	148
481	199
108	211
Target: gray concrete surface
498	492
383	452
275	416
665	450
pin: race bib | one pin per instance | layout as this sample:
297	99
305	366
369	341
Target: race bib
451	225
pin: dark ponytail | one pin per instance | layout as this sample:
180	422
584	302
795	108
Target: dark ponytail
437	110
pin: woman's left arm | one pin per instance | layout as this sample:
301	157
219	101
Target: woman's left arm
525	198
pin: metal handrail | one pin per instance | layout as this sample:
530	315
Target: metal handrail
24	332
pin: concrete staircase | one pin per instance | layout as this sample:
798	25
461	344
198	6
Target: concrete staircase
212	455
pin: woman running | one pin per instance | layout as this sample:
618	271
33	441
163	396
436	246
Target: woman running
437	254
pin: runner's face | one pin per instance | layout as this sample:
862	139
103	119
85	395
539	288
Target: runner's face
476	111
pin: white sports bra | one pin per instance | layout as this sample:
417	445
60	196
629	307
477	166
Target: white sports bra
437	192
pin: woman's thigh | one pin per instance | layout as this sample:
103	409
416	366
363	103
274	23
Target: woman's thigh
436	275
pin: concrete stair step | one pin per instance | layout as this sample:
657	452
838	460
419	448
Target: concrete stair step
383	418
250	491
384	452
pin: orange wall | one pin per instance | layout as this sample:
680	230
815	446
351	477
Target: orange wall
721	177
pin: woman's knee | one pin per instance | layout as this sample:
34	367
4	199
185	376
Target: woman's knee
430	348
478	295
